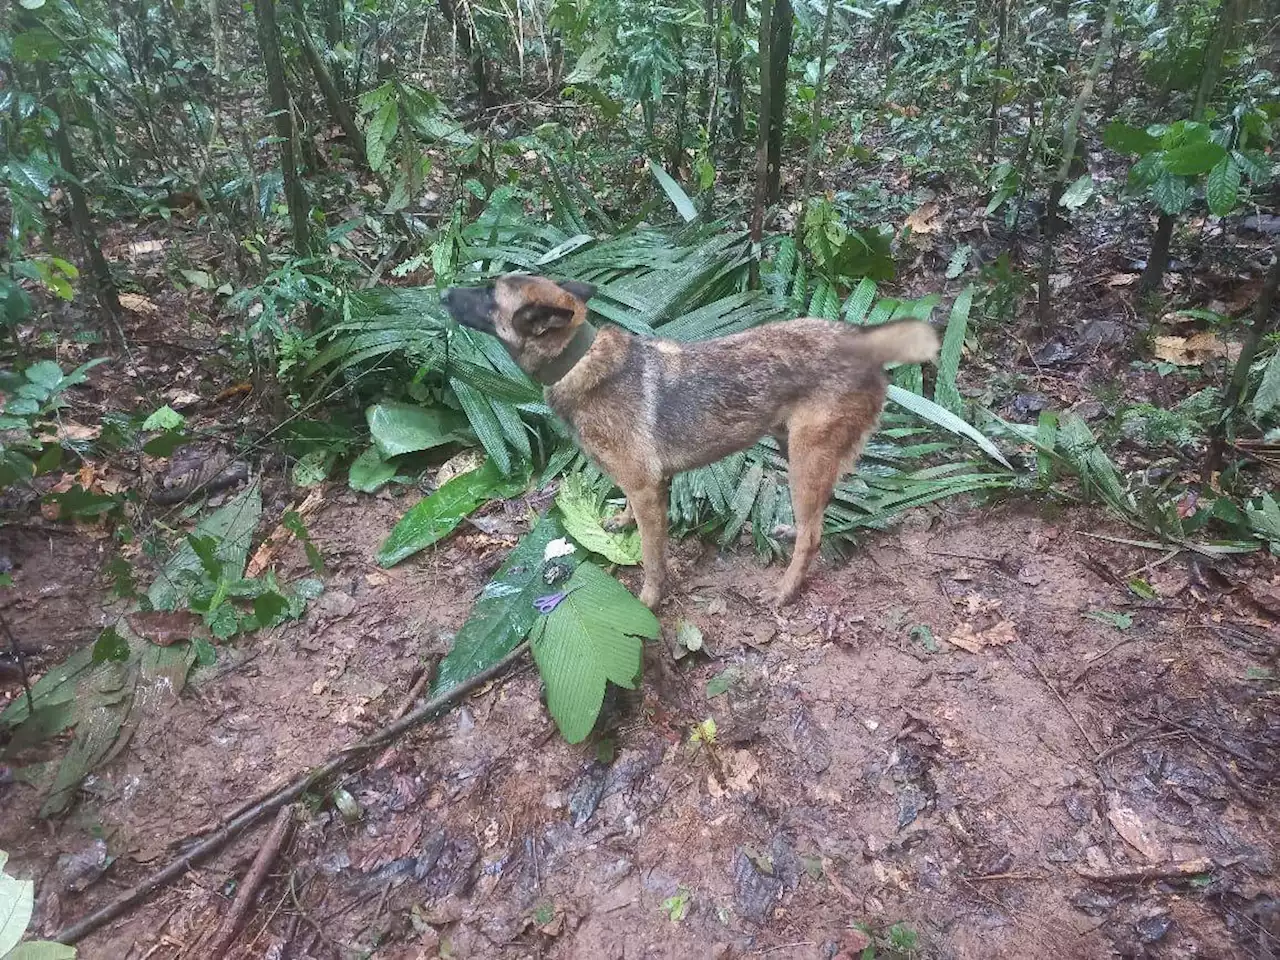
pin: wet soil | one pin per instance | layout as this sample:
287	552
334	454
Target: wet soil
865	770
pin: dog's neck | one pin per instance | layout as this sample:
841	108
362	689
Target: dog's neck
555	369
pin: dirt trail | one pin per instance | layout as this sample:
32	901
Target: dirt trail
865	770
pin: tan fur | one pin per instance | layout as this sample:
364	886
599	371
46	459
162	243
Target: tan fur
646	409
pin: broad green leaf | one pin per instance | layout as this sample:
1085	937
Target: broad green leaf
17	899
42	950
1222	187
381	132
231	527
405	428
369	472
31	46
46	374
1078	193
1171	194
32	175
312	469
1267	398
438	514
504	612
580	513
57	686
928	410
1123	138
100	719
675	193
1193	159
166	418
592	638
945	392
1265	520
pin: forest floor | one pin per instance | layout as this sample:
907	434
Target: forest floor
865	770
969	740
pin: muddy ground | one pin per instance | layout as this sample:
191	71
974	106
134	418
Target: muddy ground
864	771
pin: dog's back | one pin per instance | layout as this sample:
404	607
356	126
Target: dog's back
710	398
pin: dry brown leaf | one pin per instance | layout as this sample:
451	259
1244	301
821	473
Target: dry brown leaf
974	641
925	218
68	430
1134	832
458	464
164	628
1193	350
976	603
1123	279
137	303
266	553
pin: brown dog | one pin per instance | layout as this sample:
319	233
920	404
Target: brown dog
647	409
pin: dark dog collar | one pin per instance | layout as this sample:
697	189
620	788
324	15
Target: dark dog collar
557	368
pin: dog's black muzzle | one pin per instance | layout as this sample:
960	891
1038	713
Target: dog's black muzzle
471	306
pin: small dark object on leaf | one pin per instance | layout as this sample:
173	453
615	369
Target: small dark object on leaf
557	571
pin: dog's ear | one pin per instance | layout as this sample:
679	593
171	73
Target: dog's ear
583	291
535	319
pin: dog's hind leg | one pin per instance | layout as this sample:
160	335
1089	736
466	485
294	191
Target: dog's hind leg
825	439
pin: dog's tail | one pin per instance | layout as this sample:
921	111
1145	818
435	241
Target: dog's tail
904	341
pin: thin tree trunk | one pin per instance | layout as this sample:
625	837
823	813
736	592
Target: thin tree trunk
779	59
734	82
328	87
762	142
993	122
1260	326
675	154
1158	261
99	271
1059	185
708	197
472	49
278	94
815	115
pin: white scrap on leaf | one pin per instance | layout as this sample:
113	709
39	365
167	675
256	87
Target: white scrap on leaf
559	547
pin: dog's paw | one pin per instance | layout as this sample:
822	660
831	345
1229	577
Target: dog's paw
620	521
784	531
651	597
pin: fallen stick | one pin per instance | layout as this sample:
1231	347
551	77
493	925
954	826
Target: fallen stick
345	759
247	891
1181	869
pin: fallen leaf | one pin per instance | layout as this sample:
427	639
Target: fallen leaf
164	628
974	641
68	430
976	604
925	218
142	248
457	465
1134	832
137	303
1123	279
1193	350
184	399
281	535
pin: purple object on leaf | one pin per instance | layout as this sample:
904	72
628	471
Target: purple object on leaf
545	605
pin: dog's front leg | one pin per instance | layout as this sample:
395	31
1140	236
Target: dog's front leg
649	504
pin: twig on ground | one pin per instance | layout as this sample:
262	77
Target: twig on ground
247	891
1126	743
1008	876
345	759
1181	869
1054	690
1092	661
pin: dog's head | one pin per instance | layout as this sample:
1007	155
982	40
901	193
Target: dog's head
533	317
